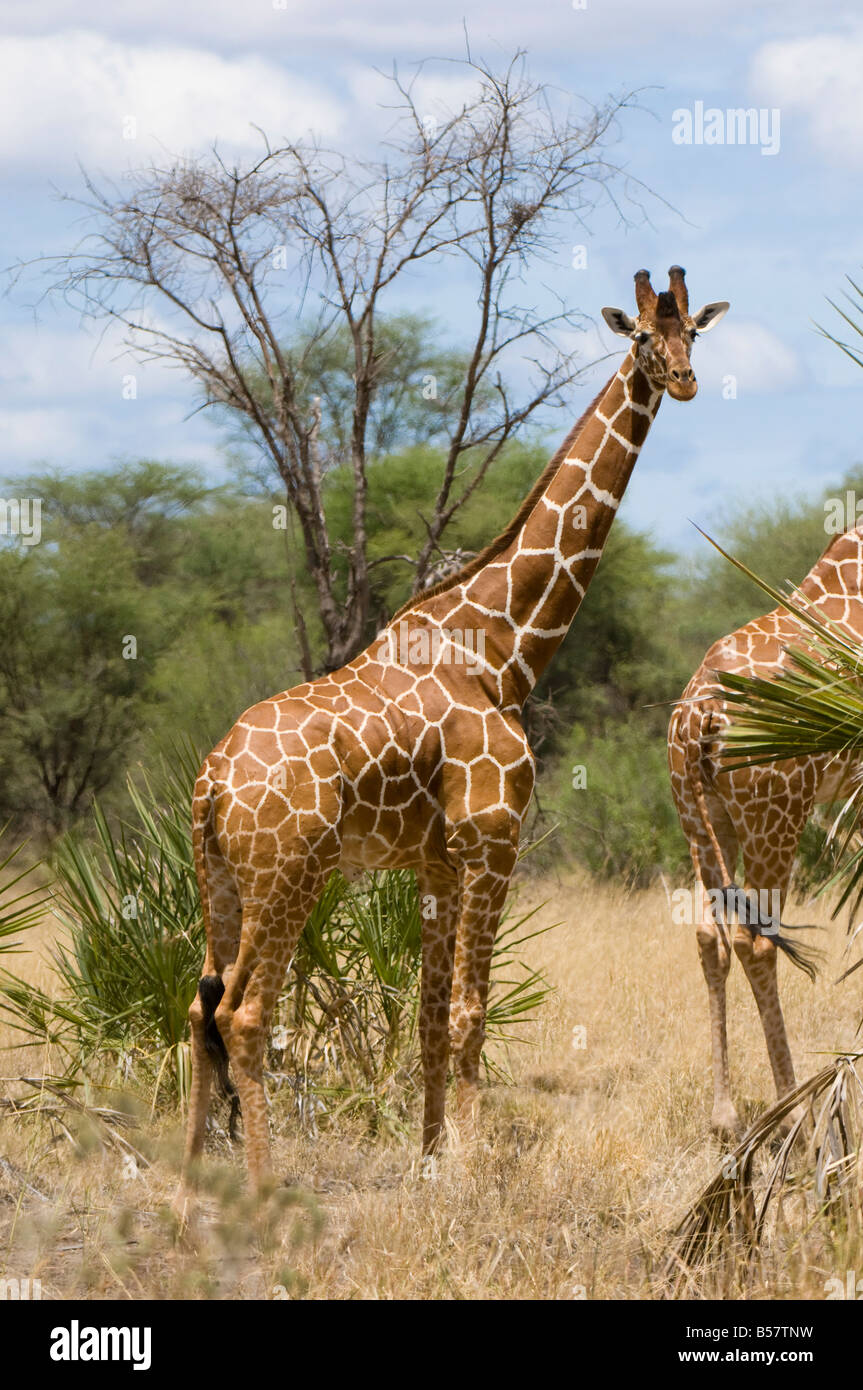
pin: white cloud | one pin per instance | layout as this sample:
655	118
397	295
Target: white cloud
260	22
753	354
438	94
818	78
63	402
389	28
40	364
69	96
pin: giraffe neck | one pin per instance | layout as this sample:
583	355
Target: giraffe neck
527	596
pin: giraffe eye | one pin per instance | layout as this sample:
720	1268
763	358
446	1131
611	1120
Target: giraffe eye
642	337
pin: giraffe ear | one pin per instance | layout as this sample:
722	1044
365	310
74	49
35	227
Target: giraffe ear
709	316
619	322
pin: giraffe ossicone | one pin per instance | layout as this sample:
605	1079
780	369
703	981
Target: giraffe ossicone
758	813
422	763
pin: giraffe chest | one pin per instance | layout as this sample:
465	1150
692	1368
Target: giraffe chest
390	811
424	773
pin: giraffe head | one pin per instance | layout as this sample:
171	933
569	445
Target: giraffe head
664	331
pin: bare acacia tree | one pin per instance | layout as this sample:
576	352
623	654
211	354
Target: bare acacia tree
229	258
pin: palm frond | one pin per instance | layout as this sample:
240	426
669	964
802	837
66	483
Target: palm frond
853	320
18	911
723	1233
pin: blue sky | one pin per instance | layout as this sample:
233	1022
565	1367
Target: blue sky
774	234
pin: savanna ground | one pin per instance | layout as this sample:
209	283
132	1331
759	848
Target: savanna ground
590	1158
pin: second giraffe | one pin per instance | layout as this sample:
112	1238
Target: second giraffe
756	812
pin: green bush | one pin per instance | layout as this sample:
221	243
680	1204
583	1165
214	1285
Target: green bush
127	966
127	969
22	909
611	794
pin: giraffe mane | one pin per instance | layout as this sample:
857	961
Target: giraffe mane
666	306
506	537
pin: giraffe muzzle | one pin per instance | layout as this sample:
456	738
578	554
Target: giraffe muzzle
681	384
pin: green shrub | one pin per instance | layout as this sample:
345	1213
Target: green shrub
127	969
20	910
127	966
611	795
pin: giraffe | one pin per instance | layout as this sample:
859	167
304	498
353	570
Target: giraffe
759	811
413	755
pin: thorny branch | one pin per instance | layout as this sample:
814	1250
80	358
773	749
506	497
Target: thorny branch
206	267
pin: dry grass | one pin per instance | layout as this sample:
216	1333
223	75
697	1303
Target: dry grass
590	1159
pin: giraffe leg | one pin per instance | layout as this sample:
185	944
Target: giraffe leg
202	1076
199	1100
483	894
708	841
768	857
714	949
438	890
270	932
757	955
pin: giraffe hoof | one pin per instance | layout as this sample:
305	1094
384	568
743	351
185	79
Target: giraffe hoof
183	1212
725	1122
429	1168
181	1206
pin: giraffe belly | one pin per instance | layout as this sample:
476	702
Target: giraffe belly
395	837
390	820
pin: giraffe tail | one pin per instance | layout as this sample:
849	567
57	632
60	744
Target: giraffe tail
746	905
210	987
749	912
210	990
